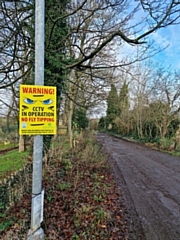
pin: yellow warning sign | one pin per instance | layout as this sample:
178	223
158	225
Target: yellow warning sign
37	110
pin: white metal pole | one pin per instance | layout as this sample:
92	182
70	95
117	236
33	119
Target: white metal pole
36	232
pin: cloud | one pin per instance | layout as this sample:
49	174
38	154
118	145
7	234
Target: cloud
160	40
170	38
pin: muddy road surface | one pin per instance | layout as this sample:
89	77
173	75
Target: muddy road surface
150	184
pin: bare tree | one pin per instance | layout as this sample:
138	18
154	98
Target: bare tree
97	30
165	100
121	29
95	27
15	41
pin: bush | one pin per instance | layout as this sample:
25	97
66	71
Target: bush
165	143
177	147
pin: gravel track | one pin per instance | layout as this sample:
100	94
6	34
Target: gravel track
150	185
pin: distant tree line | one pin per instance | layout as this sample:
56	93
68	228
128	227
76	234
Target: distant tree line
153	115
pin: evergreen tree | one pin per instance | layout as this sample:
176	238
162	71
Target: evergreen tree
112	105
102	123
79	118
122	122
56	31
123	98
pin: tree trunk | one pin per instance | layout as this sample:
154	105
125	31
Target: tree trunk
21	143
57	120
70	132
70	109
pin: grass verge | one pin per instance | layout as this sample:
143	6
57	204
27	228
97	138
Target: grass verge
11	161
11	145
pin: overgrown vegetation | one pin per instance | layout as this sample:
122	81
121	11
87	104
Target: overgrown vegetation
81	197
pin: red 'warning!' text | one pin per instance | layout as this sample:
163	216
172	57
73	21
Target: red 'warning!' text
35	90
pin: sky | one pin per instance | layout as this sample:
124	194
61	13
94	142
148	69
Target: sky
167	38
170	37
